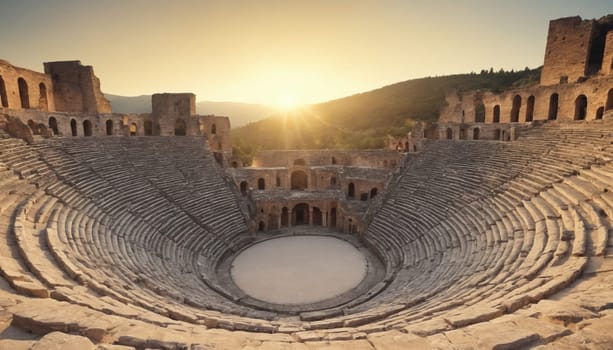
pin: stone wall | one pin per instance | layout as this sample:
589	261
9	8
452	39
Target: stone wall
607	58
534	103
36	89
288	158
567	51
76	88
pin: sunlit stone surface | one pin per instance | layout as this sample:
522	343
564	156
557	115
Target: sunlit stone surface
299	269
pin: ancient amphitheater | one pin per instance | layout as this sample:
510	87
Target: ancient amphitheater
491	230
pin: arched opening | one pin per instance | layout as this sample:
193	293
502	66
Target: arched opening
608	105
87	128
462	134
213	129
373	192
133	129
497	134
284	217
300	161
23	93
299	180
53	125
179	127
332	222
42	98
272	221
261	226
476	133
301	214
3	97
351	190
385	163
530	109
235	164
599	112
261	184
333	181
479	112
333	160
73	127
109	127
449	134
317	217
148	126
580	107
515	109
553	107
243	187
278	181
364	197
496	116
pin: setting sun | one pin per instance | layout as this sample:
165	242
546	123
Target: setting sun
287	101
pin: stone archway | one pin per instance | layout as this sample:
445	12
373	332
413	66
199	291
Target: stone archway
299	181
300	214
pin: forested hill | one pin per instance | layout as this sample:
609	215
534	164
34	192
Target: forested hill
363	120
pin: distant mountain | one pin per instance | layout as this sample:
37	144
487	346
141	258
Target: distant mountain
364	120
239	113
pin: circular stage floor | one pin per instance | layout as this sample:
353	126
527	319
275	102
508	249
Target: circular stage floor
298	269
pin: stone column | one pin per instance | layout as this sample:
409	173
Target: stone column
311	215
289	217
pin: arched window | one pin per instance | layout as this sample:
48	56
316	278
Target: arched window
42	98
73	127
300	161
515	109
462	134
261	226
553	107
179	127
3	97
261	184
53	125
475	133
133	129
148	128
373	192
87	128
333	160
530	109
333	181
109	127
23	93
278	181
599	112
479	112
213	129
496	116
299	180
580	107
608	105
351	190
449	134
243	187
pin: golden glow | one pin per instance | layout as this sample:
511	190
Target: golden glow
287	101
258	51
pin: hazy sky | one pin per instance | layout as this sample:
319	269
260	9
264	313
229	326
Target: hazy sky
270	51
